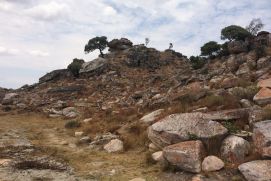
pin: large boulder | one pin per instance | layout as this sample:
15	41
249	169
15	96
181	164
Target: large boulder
235	47
186	155
264	62
264	83
188	126
70	112
263	96
234	149
10	98
258	170
119	44
55	75
262	138
95	66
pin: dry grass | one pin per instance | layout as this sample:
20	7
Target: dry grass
245	93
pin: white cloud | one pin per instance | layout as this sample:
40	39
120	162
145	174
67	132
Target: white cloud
38	53
48	11
59	29
6	51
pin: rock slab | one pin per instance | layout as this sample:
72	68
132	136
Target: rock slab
212	163
185	155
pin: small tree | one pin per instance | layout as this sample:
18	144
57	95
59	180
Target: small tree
234	32
210	48
255	26
75	66
147	41
99	43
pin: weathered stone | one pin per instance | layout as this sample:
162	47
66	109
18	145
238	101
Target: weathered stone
158	156
262	138
153	147
78	133
118	45
234	149
70	112
185	155
237	47
264	83
55	75
263	96
101	140
114	146
151	117
9	98
264	62
245	103
138	179
258	170
225	115
183	127
243	70
212	163
96	65
84	140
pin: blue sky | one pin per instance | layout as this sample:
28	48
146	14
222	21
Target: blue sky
37	36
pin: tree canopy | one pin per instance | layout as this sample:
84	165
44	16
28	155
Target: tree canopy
234	32
75	66
97	43
210	48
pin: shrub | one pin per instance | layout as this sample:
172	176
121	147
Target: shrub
75	66
234	32
245	93
230	126
197	62
72	124
210	48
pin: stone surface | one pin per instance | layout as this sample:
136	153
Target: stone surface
185	155
70	112
78	133
188	126
263	62
119	44
66	89
9	98
262	138
138	179
96	65
114	146
151	117
264	83
258	170
212	163
55	75
237	47
263	96
234	149
158	156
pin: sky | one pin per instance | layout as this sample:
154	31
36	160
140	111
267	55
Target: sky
38	36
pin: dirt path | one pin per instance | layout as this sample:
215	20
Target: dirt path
51	139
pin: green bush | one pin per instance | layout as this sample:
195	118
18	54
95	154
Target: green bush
72	124
210	48
234	32
75	66
197	62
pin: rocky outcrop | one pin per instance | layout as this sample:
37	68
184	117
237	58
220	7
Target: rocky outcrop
186	155
262	138
96	66
183	127
234	149
258	170
10	98
263	96
55	75
212	163
235	47
119	44
66	89
264	62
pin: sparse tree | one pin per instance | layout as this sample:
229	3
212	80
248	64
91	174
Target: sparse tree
75	66
97	43
255	26
210	48
234	32
170	46
147	41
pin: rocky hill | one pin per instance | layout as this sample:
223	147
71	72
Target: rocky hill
199	121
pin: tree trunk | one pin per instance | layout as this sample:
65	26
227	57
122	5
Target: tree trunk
101	52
